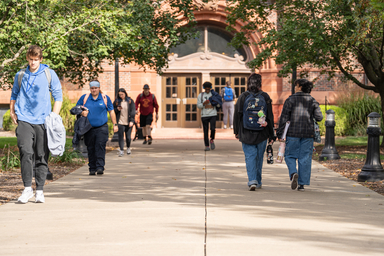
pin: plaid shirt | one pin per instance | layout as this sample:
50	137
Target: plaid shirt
299	109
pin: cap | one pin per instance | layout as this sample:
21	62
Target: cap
94	84
146	86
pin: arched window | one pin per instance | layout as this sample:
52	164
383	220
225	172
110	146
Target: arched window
210	39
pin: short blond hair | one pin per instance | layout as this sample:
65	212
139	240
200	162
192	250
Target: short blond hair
35	51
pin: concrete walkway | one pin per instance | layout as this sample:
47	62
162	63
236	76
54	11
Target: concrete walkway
172	198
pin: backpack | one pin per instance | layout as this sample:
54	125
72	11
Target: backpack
104	98
153	96
253	104
47	74
228	94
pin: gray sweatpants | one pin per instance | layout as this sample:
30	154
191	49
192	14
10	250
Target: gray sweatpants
33	147
228	109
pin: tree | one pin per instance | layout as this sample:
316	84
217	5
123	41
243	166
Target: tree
331	35
77	35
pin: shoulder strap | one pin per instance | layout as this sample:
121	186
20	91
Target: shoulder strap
105	100
86	98
20	76
153	96
47	74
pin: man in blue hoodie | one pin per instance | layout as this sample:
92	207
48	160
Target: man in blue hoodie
30	105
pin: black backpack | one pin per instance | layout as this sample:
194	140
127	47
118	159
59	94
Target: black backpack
253	104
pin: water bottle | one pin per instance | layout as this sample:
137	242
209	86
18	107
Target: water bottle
269	154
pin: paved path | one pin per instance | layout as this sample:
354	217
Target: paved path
173	199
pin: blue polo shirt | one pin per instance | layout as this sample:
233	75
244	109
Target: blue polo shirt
98	113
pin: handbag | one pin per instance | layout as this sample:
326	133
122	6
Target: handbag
317	137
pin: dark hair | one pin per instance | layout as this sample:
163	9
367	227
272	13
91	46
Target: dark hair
35	51
121	90
207	84
305	85
254	83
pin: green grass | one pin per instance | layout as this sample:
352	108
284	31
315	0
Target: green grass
353	141
12	141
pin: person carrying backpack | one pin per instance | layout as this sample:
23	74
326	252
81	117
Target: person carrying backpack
30	105
229	96
209	101
253	126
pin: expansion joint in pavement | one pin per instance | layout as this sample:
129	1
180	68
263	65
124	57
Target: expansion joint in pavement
205	203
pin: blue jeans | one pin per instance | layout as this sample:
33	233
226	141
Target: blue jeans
299	149
254	161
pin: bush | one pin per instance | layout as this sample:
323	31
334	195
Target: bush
8	125
68	119
341	119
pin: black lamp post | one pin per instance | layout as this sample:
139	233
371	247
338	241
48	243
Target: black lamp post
372	169
329	151
115	137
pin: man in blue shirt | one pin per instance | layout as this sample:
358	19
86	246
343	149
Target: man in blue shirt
96	107
30	105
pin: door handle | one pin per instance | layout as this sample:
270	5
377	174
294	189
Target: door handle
184	101
178	101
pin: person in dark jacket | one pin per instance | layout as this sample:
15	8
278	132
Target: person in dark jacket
300	109
125	110
253	142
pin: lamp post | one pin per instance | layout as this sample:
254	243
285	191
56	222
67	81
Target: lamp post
372	169
329	151
115	137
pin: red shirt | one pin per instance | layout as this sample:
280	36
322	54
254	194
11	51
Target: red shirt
147	104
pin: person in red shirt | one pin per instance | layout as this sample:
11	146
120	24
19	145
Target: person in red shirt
147	102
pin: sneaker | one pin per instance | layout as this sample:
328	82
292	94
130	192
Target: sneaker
252	187
128	151
25	196
212	144
231	126
207	149
121	153
145	142
300	188
92	172
100	171
294	179
225	127
259	186
149	140
39	197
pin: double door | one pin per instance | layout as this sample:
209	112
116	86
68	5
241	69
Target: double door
179	100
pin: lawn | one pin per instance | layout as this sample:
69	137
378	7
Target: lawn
12	141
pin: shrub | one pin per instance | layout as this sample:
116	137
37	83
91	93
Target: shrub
8	125
341	119
68	119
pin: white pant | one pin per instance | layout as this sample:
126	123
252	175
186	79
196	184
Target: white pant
228	109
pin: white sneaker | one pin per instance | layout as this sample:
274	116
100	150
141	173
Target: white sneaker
225	127
128	151
25	196
39	197
231	126
121	152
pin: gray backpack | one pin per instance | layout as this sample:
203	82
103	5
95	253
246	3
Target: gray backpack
47	74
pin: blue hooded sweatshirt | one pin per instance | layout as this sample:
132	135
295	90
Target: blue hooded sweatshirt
33	102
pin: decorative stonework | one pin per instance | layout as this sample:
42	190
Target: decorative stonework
211	5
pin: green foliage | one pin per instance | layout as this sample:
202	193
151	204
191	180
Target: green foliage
68	119
358	107
69	156
11	141
341	120
77	35
8	125
10	159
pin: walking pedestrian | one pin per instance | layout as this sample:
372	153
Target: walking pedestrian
208	113
252	107
125	110
300	109
96	107
229	96
148	104
29	106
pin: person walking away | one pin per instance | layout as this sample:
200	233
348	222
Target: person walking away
125	111
300	109
148	104
96	107
253	126
229	95
29	106
208	114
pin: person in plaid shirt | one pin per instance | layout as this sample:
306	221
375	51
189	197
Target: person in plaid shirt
300	109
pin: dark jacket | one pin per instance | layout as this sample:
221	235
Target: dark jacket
300	109
216	99
82	124
248	136
131	109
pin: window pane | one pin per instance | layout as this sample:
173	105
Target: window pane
237	81
188	108
194	107
174	80
237	91
187	117
168	107
217	89
188	92
168	81
243	81
217	81
218	42
174	107
188	81
168	92
191	46
174	117
242	89
174	92
194	81
223	81
194	92
194	117
168	117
